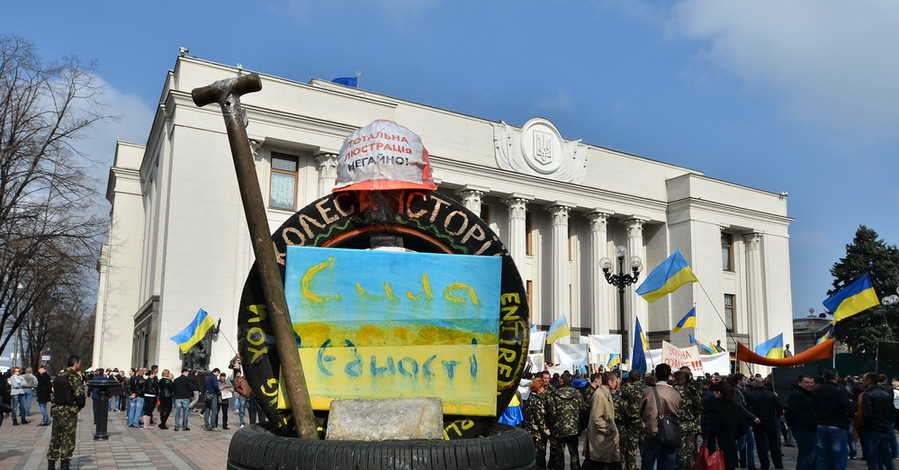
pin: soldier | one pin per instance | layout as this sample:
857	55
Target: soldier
565	407
690	413
68	400
630	424
535	420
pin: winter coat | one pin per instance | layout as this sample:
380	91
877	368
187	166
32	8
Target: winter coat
602	432
44	388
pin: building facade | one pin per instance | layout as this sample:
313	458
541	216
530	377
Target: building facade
178	239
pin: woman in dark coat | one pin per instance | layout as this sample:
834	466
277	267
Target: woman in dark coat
726	422
166	392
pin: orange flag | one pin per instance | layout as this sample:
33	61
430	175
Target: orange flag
816	353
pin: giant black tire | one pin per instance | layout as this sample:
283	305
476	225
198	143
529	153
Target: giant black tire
257	448
426	222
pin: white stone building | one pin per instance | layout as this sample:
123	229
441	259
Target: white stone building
178	239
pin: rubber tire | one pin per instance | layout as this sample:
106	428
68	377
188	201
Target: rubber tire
427	222
256	447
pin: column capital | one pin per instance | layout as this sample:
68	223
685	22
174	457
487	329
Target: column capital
326	160
753	240
598	221
559	213
517	206
634	227
471	199
256	149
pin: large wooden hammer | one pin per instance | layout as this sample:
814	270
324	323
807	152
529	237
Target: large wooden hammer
227	94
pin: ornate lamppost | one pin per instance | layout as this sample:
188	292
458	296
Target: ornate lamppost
621	281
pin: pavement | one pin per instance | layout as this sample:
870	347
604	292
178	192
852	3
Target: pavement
24	447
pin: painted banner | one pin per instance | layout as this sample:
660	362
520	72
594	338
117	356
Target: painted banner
571	354
679	357
383	324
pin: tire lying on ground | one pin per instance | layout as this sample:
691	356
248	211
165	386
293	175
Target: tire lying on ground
425	221
256	447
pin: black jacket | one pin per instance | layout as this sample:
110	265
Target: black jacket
44	388
832	406
800	414
165	388
877	410
151	386
136	385
763	404
182	387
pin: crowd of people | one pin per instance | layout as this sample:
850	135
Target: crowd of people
628	417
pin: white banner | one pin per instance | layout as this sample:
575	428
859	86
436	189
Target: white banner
536	362
553	370
571	354
605	344
716	363
678	357
538	341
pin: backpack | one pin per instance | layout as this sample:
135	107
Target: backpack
63	394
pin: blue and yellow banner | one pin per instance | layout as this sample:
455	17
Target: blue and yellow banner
703	348
826	336
641	345
689	321
854	298
773	348
382	324
666	278
194	332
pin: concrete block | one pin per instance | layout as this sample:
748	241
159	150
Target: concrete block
385	420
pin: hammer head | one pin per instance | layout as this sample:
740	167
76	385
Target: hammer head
221	90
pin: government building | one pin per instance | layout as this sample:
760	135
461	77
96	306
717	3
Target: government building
178	238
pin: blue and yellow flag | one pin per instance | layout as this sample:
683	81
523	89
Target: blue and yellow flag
194	332
638	356
826	336
666	278
703	349
852	299
614	360
773	348
689	321
558	329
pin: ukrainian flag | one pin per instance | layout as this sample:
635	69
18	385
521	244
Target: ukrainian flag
826	336
773	348
194	332
852	299
638	356
614	360
702	347
666	278
558	329
689	321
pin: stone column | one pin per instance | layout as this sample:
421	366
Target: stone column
636	306
755	291
561	301
599	238
327	172
516	237
471	199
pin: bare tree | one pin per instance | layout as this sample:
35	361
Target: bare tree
45	193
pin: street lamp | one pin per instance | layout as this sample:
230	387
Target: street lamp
621	280
891	299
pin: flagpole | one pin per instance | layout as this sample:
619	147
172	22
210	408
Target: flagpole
729	334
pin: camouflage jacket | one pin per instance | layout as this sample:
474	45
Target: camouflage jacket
563	415
690	411
535	415
630	417
76	381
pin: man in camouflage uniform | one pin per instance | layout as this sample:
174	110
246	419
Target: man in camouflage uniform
565	406
630	421
690	413
66	405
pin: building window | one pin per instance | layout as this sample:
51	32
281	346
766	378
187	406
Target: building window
727	252
730	312
528	235
530	286
284	181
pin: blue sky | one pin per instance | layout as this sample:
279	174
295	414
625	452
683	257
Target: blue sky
799	96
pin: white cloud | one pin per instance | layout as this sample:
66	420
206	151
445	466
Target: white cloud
828	62
561	100
99	142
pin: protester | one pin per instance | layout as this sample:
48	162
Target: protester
68	400
44	394
833	412
726	421
801	418
535	420
183	391
875	414
655	454
602	444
